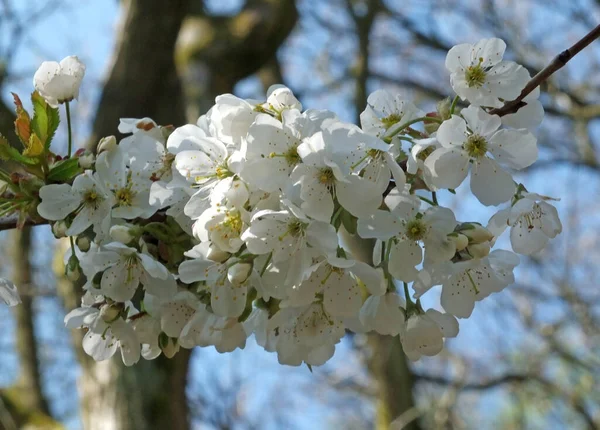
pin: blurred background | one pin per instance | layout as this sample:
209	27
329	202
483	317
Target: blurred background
528	358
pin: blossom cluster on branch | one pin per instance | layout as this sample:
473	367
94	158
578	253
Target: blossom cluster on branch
211	232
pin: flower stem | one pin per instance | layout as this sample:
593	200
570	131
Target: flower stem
70	147
72	246
426	200
434	198
264	268
453	105
388	139
409	303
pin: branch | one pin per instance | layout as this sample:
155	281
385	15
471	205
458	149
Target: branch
558	63
10	222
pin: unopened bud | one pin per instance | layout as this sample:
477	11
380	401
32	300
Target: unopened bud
216	255
3	187
479	250
475	232
443	108
431	126
168	345
460	240
238	273
59	229
110	313
83	243
107	144
121	233
73	271
86	160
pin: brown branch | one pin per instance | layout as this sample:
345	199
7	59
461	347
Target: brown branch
557	63
10	222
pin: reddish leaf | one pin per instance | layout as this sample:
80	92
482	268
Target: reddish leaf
23	122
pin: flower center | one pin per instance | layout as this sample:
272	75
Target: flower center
222	172
390	120
291	156
92	199
476	146
295	229
233	224
416	229
125	196
475	75
326	176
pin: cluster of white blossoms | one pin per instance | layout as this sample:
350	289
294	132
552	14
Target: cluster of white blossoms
246	222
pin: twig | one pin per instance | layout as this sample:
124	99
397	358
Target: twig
10	222
557	63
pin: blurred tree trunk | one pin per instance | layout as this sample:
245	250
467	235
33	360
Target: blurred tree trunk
387	362
24	402
144	81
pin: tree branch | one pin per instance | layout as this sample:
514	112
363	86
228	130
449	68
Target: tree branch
557	63
10	222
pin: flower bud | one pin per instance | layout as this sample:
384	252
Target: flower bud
121	233
443	108
59	229
110	313
83	243
59	82
107	144
73	271
3	187
479	250
460	240
86	160
168	345
216	255
431	126
475	232
238	273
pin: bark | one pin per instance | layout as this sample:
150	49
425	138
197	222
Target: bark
217	52
144	82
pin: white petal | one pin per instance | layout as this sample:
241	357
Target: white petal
490	183
358	196
448	167
516	148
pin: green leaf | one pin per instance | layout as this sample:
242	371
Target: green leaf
45	119
7	152
64	170
35	148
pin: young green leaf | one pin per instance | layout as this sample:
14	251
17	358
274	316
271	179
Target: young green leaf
64	170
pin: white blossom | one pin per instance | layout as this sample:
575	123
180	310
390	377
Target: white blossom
58	83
